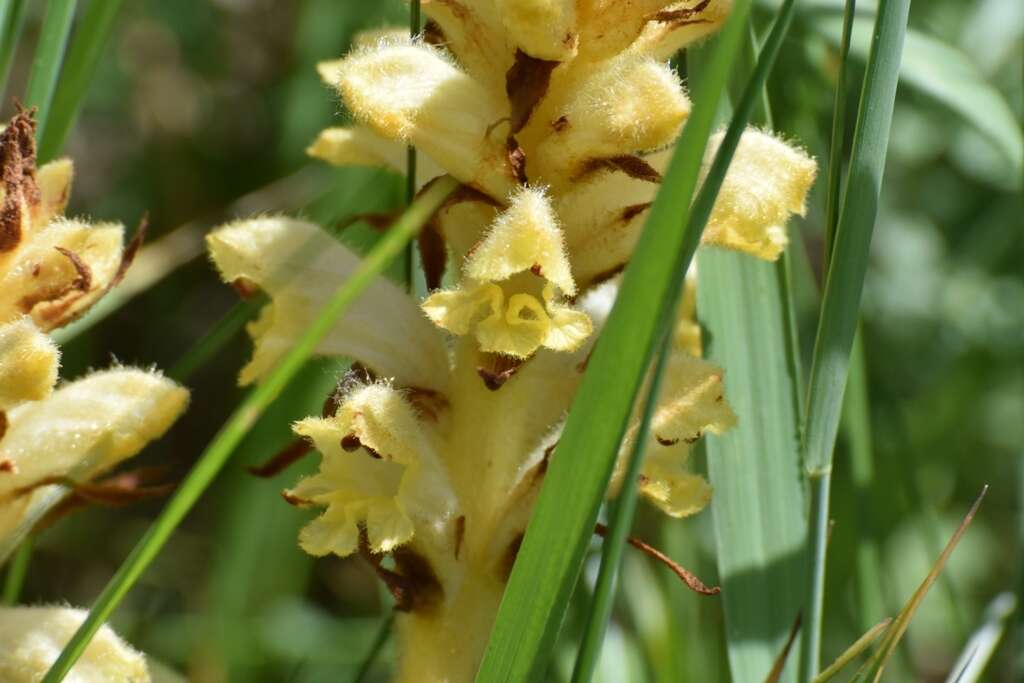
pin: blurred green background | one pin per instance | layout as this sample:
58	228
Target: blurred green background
200	112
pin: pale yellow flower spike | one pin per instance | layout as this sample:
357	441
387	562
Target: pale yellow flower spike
28	364
300	266
545	29
508	296
767	182
394	484
414	93
81	430
31	639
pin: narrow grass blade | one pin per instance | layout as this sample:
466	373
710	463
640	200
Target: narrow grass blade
625	506
13	15
947	75
46	65
383	634
552	552
775	675
84	55
841	302
409	266
837	143
971	663
242	419
854	651
215	339
874	667
16	573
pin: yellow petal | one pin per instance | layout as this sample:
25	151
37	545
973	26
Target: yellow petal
332	532
624	106
607	27
300	266
28	363
31	639
413	93
680	27
81	430
677	493
360	146
692	401
526	236
568	329
459	310
767	182
545	29
519	332
54	181
474	33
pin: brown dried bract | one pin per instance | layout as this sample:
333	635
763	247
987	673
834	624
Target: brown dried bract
516	160
433	253
18	174
681	17
427	403
3	425
508	560
526	84
282	460
433	35
128	488
130	251
60	298
497	369
630	164
460	533
412	583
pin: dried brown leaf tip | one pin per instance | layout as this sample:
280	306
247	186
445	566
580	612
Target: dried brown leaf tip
685	575
631	165
17	171
682	17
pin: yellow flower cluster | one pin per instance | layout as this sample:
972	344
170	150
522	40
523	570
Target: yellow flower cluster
52	269
558	118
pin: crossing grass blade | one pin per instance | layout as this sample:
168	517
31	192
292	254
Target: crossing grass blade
550	558
12	20
852	652
625	506
49	56
841	302
83	56
874	667
242	419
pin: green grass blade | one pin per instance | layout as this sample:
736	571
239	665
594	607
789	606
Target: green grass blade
83	56
383	634
215	339
242	419
947	75
875	666
852	652
837	141
841	301
16	573
625	506
12	12
46	65
971	663
552	552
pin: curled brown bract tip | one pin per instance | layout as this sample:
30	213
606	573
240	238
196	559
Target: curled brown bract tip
282	460
497	369
630	164
412	582
687	577
526	84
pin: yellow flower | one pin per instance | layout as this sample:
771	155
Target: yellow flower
508	296
31	639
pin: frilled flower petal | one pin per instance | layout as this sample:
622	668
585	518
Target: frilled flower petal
767	183
459	310
60	271
28	364
568	328
31	639
620	107
80	431
379	470
412	92
545	29
300	267
525	237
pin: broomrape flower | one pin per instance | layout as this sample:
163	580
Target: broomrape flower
558	118
52	438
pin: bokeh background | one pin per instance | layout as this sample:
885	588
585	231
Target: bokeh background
200	112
